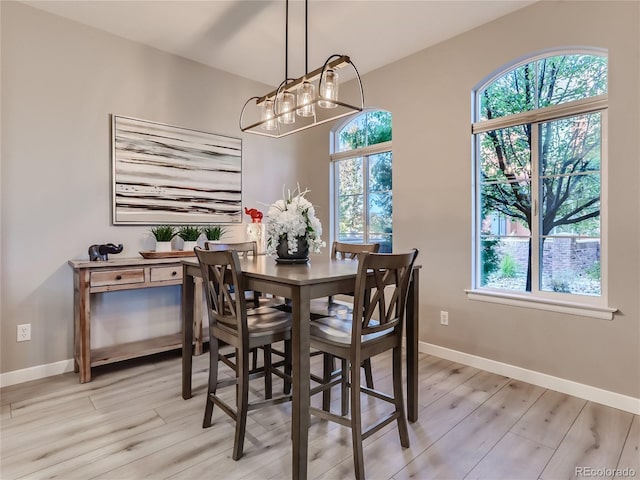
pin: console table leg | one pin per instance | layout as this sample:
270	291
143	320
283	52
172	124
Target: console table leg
198	335
82	325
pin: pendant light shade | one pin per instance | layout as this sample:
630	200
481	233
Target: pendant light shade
268	116
306	96
304	102
285	107
328	89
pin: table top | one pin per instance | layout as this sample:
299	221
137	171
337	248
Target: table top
320	269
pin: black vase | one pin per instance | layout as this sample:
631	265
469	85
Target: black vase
301	254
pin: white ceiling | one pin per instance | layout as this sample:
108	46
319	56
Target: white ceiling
246	37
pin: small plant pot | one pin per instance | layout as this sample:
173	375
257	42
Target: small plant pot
189	245
163	246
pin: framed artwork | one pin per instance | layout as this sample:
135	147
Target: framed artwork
170	175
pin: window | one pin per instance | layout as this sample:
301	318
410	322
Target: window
363	200
539	156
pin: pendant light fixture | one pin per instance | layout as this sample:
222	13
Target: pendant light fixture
301	103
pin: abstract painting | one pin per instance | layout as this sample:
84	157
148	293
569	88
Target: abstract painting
170	175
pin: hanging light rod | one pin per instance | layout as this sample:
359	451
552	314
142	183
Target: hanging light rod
295	106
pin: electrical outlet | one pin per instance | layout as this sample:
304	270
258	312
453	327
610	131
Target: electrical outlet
444	317
24	332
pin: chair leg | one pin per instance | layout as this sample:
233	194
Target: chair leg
268	386
356	421
287	366
254	353
397	395
368	373
242	402
213	381
344	373
327	369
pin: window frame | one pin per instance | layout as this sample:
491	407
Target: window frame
364	153
592	306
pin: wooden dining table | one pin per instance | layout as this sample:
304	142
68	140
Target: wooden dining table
320	277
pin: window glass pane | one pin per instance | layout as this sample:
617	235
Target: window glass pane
570	185
505	154
349	176
571	205
384	239
504	262
566	78
571	145
571	265
509	94
353	134
380	212
378	127
351	218
380	172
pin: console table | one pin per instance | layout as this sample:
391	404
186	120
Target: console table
90	278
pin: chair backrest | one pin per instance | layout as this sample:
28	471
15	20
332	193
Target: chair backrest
382	285
351	250
221	276
243	248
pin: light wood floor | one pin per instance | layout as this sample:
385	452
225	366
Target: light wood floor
130	422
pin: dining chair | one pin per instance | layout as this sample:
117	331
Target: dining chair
244	249
243	329
341	250
375	327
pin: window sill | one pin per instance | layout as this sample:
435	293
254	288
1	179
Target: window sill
571	308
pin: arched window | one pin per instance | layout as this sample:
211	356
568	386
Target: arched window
362	180
539	134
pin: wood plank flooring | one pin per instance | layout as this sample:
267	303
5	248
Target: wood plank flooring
131	422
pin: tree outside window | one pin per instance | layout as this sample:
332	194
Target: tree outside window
538	156
363	180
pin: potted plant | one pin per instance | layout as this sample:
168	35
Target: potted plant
214	232
163	235
189	235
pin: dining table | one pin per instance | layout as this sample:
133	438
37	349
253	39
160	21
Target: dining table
300	283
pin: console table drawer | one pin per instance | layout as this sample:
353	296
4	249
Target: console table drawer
117	277
162	274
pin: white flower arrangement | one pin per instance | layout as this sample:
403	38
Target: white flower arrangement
293	217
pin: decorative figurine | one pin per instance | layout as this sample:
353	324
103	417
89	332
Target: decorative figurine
255	230
256	215
100	252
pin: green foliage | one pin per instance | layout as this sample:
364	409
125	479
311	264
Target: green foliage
594	271
189	233
489	257
163	233
367	129
508	266
214	232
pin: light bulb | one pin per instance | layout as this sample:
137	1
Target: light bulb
306	96
286	104
329	89
268	114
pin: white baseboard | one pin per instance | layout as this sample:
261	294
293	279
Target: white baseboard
594	394
34	373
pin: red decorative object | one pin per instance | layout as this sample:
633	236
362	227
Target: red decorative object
256	215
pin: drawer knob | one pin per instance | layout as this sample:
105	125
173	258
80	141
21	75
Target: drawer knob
174	273
119	277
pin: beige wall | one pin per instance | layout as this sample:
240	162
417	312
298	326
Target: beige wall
429	96
60	83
